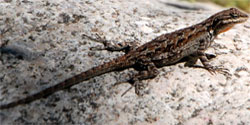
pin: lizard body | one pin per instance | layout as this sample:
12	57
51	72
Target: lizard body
164	50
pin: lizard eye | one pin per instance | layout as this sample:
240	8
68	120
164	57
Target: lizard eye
233	15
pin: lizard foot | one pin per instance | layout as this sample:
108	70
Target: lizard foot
218	69
140	88
110	45
215	69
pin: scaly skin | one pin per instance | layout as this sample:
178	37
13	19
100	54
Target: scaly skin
188	44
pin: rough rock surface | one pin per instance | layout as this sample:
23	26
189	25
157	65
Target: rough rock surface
42	43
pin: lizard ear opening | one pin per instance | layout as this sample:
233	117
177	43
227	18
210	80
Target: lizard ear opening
215	22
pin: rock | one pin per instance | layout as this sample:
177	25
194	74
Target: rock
49	36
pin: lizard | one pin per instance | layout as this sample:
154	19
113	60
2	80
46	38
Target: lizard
188	44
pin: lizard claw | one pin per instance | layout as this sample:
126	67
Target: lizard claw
127	91
139	87
218	69
129	81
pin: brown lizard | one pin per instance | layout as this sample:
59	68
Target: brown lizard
188	44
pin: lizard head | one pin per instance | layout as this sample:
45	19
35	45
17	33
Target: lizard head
225	20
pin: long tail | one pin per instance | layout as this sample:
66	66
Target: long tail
96	71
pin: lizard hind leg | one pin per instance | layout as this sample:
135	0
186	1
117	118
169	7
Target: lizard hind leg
149	72
112	46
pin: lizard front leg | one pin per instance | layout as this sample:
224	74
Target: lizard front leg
193	58
204	58
212	69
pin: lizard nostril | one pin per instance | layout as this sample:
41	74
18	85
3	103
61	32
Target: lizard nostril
247	16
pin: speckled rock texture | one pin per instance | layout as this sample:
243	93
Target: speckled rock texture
42	43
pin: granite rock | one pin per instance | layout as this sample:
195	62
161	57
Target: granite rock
42	43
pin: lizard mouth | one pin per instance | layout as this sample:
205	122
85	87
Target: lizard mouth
237	20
